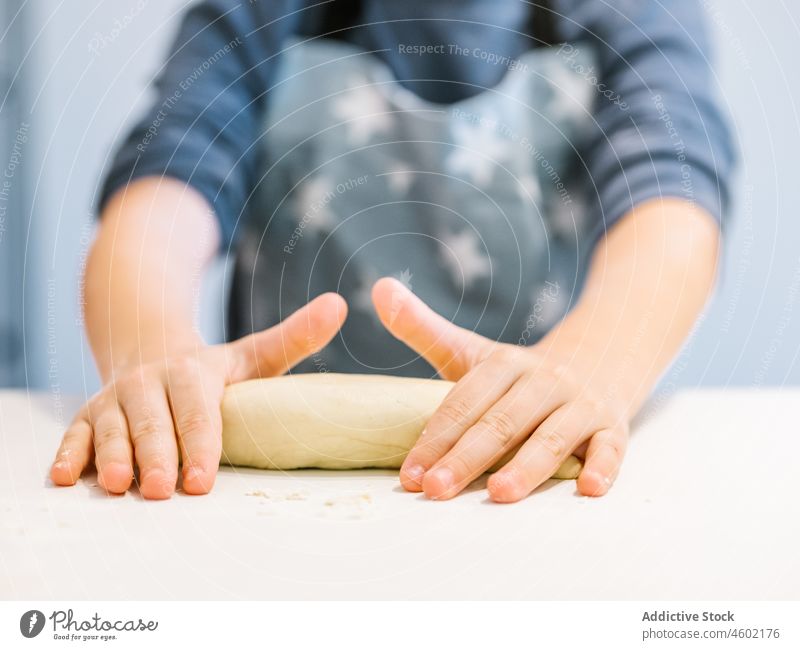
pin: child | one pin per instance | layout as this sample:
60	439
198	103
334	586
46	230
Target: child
549	178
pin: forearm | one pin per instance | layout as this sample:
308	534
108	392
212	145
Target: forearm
649	278
155	239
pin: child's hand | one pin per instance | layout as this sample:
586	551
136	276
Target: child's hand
155	409
525	404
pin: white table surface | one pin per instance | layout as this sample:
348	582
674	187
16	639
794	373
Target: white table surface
706	508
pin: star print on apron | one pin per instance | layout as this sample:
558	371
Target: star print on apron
478	206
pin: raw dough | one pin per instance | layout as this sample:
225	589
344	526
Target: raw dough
331	421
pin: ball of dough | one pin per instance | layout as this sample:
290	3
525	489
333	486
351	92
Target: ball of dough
331	421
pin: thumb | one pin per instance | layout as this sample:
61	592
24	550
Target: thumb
452	350
273	351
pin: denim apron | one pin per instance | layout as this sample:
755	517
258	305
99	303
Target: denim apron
479	206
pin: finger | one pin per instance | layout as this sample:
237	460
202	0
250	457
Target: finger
155	448
506	425
542	454
580	451
75	451
469	399
198	421
603	459
113	452
450	349
273	351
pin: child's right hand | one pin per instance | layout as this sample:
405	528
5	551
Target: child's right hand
158	411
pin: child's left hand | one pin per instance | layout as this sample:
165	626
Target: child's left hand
524	403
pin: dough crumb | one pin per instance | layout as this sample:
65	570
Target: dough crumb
296	496
349	506
350	500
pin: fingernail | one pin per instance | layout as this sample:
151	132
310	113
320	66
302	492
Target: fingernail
194	473
415	473
505	486
445	477
123	468
120	469
157	478
508	479
62	466
603	478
